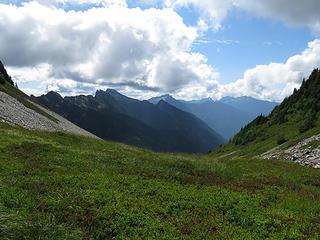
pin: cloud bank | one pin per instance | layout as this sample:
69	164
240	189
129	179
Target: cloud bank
115	45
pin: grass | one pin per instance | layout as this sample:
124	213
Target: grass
24	99
62	186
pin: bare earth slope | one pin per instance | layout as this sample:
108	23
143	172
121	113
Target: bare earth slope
15	113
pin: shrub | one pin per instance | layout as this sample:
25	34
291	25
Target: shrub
281	139
308	124
2	81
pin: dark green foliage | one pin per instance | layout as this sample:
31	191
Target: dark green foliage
2	81
281	139
280	117
248	134
4	77
308	123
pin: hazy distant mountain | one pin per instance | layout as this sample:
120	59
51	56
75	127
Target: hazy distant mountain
169	99
226	116
113	116
164	116
225	119
250	105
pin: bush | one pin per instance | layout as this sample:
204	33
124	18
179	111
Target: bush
281	139
2	81
308	124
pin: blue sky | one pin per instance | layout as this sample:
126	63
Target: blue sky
254	41
143	49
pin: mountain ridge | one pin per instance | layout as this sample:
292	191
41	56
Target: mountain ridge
225	116
113	116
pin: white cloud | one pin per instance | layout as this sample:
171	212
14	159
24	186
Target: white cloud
40	72
276	80
105	3
108	46
31	91
213	11
291	12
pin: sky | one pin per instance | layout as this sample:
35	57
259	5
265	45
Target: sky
191	49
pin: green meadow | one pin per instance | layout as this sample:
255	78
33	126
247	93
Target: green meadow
63	186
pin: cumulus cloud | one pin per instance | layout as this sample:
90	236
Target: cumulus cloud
276	80
106	46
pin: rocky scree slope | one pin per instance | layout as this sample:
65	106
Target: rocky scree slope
306	152
16	113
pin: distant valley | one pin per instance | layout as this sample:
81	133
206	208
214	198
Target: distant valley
227	116
112	116
162	123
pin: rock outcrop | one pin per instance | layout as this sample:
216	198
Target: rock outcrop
300	153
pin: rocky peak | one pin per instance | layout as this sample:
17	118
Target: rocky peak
165	97
54	96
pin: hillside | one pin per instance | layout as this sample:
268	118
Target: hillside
227	116
18	109
63	186
115	117
295	119
4	77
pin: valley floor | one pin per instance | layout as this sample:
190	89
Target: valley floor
62	186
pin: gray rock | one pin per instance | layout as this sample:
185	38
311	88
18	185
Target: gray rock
16	114
307	157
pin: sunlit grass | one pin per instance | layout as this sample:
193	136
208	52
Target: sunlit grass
62	186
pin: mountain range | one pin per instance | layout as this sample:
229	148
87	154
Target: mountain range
227	116
162	123
113	116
